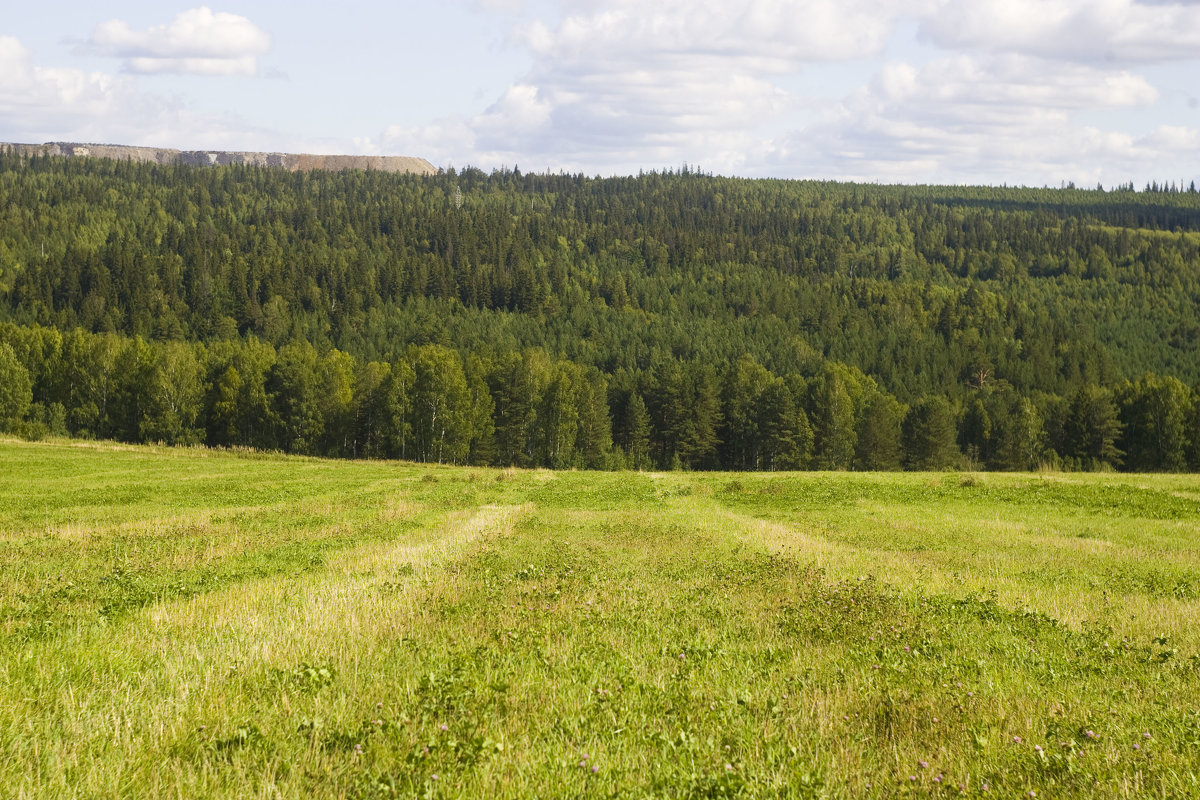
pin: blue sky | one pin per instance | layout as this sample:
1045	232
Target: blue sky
1031	92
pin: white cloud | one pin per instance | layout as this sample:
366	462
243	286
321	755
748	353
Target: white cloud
625	84
246	65
620	85
40	104
501	6
996	119
963	84
776	35
1173	139
995	90
1085	30
197	41
449	141
35	98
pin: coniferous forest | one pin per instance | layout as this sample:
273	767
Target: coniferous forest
669	320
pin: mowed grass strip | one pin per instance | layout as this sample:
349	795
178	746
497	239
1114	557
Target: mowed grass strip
466	632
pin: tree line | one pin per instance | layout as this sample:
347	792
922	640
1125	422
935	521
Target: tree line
671	318
435	404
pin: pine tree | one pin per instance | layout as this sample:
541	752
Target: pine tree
558	421
637	432
786	437
373	396
223	408
975	432
515	390
929	435
832	415
878	443
742	432
1092	429
777	418
697	440
593	442
296	406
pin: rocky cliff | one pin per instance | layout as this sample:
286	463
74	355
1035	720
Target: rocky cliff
160	155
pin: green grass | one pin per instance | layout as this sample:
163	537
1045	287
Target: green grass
191	623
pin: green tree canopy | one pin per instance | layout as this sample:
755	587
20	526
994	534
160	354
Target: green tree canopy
16	390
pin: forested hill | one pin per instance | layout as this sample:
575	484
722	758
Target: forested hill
672	318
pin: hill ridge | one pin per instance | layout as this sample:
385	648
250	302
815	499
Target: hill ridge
292	162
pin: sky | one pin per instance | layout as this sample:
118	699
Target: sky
1017	92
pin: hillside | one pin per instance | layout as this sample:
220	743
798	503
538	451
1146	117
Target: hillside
674	319
291	162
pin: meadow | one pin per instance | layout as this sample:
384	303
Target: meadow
184	623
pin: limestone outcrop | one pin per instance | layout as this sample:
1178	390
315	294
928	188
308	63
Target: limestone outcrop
292	162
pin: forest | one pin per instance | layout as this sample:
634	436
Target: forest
670	320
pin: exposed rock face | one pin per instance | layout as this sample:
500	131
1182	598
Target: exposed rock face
203	158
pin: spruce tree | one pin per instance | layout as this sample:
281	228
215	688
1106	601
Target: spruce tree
1092	429
832	416
637	433
929	435
878	444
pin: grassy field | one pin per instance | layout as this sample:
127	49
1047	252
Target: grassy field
190	623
